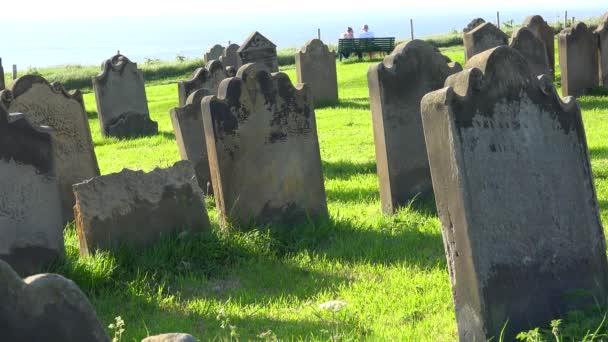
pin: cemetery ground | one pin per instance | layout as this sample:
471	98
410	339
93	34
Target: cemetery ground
226	285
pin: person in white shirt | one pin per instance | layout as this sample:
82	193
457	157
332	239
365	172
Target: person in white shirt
365	32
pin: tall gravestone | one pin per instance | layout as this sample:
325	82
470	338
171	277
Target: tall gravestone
50	105
2	84
532	49
138	208
602	36
396	87
578	60
208	77
259	124
45	307
545	33
190	136
31	225
122	104
316	66
515	196
481	38
258	49
214	53
231	58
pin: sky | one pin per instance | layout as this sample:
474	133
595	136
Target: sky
54	9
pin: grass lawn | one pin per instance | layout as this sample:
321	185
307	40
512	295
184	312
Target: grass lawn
390	270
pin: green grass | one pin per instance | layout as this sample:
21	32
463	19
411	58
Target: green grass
390	270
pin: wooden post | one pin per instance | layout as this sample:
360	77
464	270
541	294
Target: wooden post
319	33
228	43
14	72
412	28
498	19
573	19
566	19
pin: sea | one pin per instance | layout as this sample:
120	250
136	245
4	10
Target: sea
47	42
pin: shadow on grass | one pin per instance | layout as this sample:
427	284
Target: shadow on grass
92	114
344	169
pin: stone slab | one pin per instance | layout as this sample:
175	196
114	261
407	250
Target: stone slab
481	38
316	66
259	49
543	31
208	77
601	34
532	49
214	53
578	60
231	58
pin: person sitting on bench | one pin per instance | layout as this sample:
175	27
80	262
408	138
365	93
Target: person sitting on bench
366	33
349	34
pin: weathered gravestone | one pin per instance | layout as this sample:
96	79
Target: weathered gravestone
532	49
121	100
208	78
46	104
545	33
602	36
190	136
578	60
138	208
258	49
214	53
263	149
396	87
45	307
483	37
2	84
515	196
31	226
473	24
231	58
316	66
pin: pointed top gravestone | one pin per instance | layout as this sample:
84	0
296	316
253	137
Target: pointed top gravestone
578	60
260	124
31	228
545	33
602	36
532	49
515	196
214	53
208	77
45	104
259	49
316	66
231	58
481	38
396	87
122	104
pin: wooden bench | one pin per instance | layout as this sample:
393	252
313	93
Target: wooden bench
358	46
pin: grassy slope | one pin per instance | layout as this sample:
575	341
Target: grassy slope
390	270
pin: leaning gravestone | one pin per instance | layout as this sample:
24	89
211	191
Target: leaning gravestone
483	37
316	66
214	53
544	32
396	87
515	196
121	100
50	105
208	77
258	49
45	307
231	58
138	208
578	60
2	85
190	136
602	36
31	226
532	49
259	124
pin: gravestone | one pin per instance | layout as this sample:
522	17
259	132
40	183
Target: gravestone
602	36
208	77
545	33
214	53
316	66
190	136
578	60
515	197
481	38
31	226
45	307
532	49
259	124
396	87
137	208
121	100
473	24
50	105
2	84
258	49
231	58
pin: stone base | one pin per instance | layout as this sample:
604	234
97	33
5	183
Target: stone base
130	125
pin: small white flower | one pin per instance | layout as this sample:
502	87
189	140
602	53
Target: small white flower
333	305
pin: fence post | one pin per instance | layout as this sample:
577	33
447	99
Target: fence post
498	19
319	33
14	72
566	19
412	28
